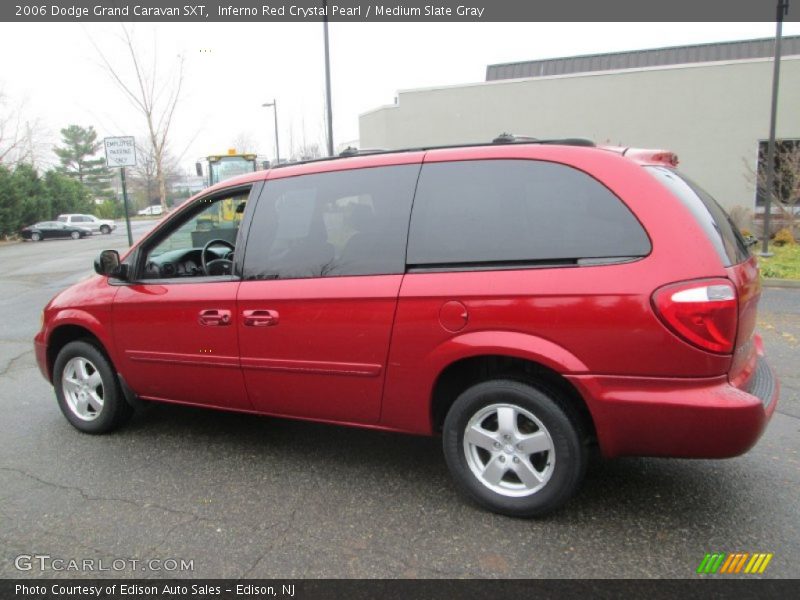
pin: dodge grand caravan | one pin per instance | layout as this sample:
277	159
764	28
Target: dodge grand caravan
522	300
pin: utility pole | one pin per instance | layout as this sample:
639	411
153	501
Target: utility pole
274	104
781	11
328	80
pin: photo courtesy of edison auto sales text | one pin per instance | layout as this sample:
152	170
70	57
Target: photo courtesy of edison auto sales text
169	589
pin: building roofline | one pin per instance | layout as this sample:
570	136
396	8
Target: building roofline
707	52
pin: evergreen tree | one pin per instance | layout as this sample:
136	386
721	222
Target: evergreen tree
66	195
80	145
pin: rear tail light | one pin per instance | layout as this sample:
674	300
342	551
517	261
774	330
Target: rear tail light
704	313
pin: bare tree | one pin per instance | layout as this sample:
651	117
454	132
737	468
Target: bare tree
244	143
144	176
309	151
153	96
20	138
786	190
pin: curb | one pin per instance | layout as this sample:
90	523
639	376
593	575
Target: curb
781	283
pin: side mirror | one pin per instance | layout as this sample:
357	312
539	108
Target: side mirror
108	264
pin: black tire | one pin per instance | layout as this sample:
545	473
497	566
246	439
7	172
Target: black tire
114	411
35	237
105	229
75	235
558	471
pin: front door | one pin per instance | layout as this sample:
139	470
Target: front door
322	271
175	324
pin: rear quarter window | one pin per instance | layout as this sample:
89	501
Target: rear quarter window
712	218
516	212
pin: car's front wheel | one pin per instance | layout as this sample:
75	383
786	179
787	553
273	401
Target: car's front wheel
35	237
105	229
87	389
75	235
514	448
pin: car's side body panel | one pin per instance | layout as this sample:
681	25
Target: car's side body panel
368	350
178	342
325	354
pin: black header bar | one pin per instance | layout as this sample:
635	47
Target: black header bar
439	11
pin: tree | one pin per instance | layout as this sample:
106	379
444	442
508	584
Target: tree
244	144
65	194
26	197
33	204
786	185
143	177
19	137
9	203
154	97
80	145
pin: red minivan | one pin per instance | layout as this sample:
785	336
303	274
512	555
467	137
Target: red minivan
524	300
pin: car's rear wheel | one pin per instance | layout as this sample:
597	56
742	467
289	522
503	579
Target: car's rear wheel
35	237
514	448
105	229
87	389
75	235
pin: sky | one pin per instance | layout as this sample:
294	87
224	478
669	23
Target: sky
55	73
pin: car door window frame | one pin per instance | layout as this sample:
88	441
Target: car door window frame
137	258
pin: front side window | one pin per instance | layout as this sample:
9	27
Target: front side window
332	224
201	244
513	212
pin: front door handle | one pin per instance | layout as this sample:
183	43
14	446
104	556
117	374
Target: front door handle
214	317
260	318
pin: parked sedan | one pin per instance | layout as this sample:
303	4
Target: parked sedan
53	229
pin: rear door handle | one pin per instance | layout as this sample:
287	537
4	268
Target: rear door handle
213	317
260	318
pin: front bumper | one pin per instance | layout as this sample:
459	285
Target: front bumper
40	350
690	418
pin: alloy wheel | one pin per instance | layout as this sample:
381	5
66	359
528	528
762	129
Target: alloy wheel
83	388
509	450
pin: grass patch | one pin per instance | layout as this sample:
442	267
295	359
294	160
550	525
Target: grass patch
784	265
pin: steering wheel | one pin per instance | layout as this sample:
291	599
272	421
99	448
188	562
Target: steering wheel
217	266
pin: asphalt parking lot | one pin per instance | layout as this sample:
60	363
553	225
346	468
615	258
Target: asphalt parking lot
243	496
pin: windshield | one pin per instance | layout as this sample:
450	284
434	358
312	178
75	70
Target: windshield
230	166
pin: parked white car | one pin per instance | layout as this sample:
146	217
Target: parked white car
151	211
89	222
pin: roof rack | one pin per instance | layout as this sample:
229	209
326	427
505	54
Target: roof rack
503	138
353	151
510	138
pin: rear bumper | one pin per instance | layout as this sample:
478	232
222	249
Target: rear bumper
690	418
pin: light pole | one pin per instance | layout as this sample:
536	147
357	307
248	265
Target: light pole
329	109
274	105
782	10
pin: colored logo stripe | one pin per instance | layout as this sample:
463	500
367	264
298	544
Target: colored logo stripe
711	563
734	563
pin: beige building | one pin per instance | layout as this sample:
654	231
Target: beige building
710	104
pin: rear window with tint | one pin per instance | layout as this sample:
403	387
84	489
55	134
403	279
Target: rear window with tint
517	212
715	222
